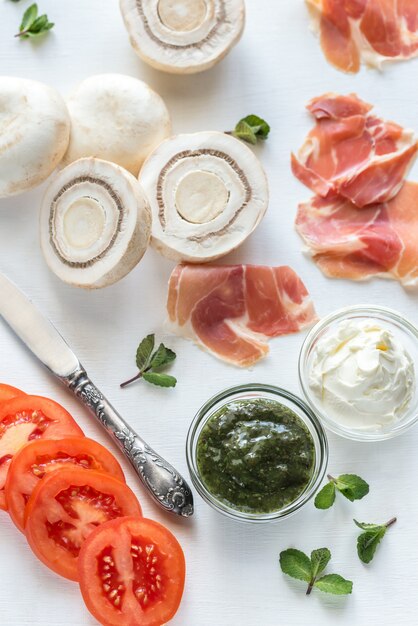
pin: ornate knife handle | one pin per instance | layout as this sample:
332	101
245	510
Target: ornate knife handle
164	483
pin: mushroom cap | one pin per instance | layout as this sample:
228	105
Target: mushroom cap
34	133
95	223
116	118
183	36
207	191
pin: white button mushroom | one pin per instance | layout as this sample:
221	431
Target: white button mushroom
116	118
183	36
95	223
208	192
34	133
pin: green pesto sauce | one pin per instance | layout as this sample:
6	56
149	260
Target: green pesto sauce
256	456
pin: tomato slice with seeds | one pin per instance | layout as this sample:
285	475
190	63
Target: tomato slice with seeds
7	392
42	456
132	572
25	418
65	507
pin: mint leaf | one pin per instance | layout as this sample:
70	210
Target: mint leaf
162	357
32	25
319	560
161	380
251	129
29	17
368	541
335	584
144	351
364	526
352	487
296	564
326	497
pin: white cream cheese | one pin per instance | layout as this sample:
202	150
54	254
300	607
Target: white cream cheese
363	375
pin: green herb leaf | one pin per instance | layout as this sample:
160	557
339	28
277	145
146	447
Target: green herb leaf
319	560
352	487
32	25
29	17
296	564
161	380
162	357
144	351
326	497
364	526
335	584
368	541
251	129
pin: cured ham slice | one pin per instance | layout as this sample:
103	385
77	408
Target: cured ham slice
233	310
381	240
353	153
371	32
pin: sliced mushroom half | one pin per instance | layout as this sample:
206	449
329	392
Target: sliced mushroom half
95	223
208	192
183	36
34	133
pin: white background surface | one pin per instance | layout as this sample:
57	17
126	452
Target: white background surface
233	574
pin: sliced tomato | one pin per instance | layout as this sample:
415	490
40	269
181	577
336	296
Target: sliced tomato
7	392
26	418
65	507
40	457
132	572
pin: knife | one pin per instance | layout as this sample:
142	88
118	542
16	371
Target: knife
167	487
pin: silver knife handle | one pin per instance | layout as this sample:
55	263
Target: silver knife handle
166	485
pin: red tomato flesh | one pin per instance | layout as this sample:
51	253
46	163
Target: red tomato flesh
132	572
65	507
25	418
7	392
42	456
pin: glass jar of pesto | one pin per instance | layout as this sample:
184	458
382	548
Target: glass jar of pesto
256	453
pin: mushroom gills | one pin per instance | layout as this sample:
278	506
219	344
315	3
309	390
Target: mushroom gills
183	36
95	223
207	192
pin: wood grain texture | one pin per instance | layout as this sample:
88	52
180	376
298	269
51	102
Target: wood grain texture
233	574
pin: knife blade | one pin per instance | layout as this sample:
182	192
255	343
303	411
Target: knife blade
162	481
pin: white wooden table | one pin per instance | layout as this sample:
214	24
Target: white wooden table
233	574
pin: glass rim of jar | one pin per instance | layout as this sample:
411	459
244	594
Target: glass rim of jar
386	314
271	392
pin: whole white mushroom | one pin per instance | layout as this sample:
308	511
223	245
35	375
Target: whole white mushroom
116	118
34	133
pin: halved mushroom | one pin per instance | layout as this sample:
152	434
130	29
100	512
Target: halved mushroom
34	133
207	191
95	223
116	118
183	36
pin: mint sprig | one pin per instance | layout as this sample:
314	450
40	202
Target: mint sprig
368	541
251	129
151	363
349	485
33	25
298	565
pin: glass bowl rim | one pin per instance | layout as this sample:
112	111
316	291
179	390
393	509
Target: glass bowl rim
368	310
320	443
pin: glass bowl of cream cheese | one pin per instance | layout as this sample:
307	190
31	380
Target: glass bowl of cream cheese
358	370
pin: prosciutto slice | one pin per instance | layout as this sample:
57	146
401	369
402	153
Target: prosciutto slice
353	153
381	240
371	32
233	310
